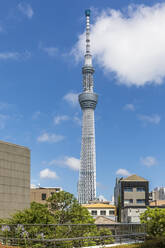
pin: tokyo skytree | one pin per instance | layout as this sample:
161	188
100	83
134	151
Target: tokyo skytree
88	101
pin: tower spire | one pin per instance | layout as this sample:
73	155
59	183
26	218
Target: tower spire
88	101
88	56
87	69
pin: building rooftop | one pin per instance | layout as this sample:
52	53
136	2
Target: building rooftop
134	178
39	187
158	203
11	144
98	205
104	220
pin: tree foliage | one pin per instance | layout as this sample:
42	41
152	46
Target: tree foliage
155	221
66	209
36	214
61	208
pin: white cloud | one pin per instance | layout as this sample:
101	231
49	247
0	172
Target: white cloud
26	9
123	172
102	198
71	98
71	162
154	119
15	55
9	55
148	161
33	186
36	115
46	173
77	120
129	106
5	106
3	119
58	119
50	138
51	51
130	43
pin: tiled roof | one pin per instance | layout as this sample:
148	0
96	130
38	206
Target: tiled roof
134	178
98	205
104	220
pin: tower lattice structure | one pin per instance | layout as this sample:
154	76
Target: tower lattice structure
88	101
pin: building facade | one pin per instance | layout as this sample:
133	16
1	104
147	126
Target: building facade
14	178
41	194
88	101
158	194
101	209
132	197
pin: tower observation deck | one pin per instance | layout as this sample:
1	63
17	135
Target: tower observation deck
88	101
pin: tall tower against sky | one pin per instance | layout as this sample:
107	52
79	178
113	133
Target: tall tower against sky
88	101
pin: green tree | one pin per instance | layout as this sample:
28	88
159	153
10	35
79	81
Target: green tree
66	209
36	214
62	208
155	221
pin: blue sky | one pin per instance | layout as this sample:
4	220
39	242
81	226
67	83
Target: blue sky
41	47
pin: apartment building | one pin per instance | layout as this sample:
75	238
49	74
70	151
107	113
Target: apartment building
131	197
41	194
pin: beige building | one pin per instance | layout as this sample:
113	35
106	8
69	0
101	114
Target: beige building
14	178
41	194
101	209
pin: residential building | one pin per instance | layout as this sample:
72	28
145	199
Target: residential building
101	209
14	178
41	194
158	194
131	197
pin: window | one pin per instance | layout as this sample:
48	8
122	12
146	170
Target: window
140	201
52	193
128	189
128	201
111	212
140	189
94	212
102	212
43	196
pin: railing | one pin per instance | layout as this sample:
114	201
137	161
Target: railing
69	235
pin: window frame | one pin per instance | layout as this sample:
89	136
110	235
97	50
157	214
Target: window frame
43	196
128	189
101	212
143	201
94	212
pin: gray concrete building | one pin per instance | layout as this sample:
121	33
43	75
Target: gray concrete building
14	178
133	194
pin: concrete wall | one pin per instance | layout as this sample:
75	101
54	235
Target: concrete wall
14	178
131	215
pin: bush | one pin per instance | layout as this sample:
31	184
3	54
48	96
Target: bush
154	243
155	221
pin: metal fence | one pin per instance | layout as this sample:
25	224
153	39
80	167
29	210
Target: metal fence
69	235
